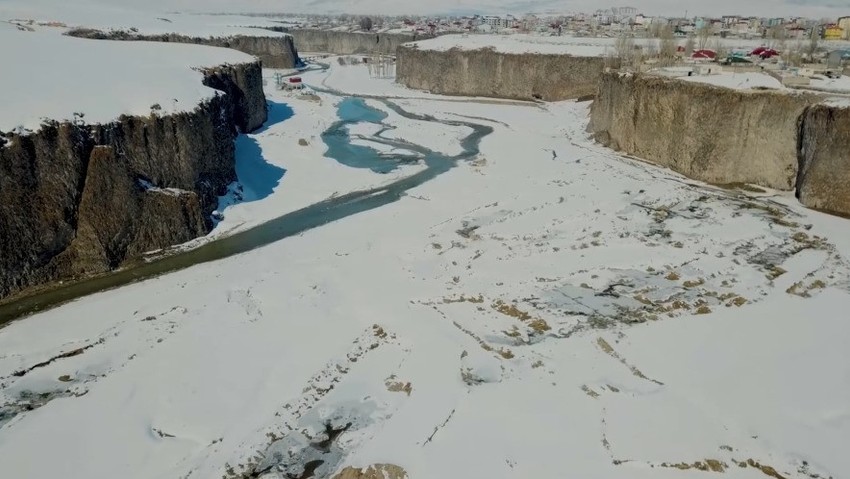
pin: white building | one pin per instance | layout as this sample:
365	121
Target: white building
629	12
497	22
492	20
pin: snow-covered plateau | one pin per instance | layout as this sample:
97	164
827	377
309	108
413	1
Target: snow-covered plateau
138	17
55	77
544	309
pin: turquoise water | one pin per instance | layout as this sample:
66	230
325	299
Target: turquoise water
350	110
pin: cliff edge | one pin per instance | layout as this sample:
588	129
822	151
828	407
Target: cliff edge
273	51
714	134
490	73
78	199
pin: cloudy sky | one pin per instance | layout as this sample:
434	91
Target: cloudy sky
767	8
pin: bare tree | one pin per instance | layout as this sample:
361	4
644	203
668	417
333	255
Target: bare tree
814	42
769	37
649	50
667	46
624	50
776	37
366	24
719	49
655	29
689	46
794	55
703	34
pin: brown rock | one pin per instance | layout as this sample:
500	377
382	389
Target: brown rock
823	181
489	73
349	43
375	471
77	200
273	51
710	133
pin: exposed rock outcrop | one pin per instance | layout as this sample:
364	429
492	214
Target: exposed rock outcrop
487	72
375	471
273	51
714	134
823	180
349	43
782	140
243	84
77	199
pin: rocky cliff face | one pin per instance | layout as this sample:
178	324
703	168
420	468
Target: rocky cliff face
489	73
243	85
714	134
823	180
349	43
77	200
274	52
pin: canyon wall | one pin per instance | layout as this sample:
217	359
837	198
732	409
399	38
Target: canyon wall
781	140
718	135
273	51
489	73
349	43
78	200
823	180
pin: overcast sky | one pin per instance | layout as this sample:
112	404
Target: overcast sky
766	8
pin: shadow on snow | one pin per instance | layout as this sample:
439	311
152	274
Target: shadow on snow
257	176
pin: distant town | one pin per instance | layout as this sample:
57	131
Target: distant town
791	49
604	22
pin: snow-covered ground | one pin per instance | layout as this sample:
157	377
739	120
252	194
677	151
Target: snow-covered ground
549	309
837	85
48	75
738	81
145	20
